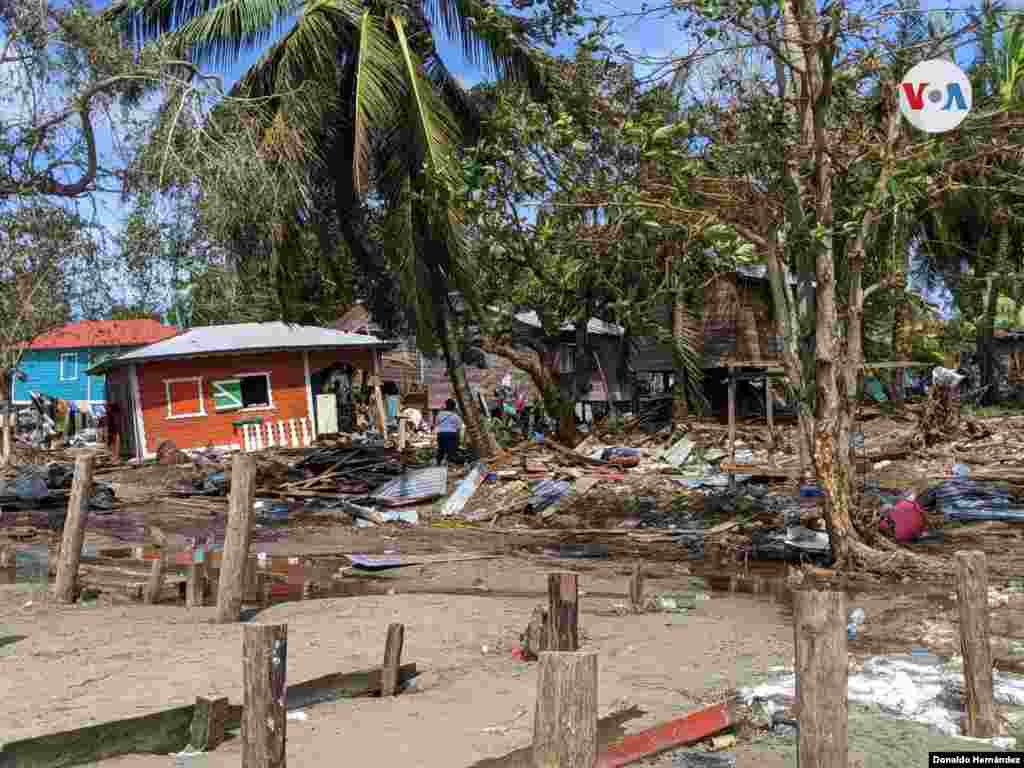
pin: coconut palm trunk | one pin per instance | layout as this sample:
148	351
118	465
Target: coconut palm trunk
480	439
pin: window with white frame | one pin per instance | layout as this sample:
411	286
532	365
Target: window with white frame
246	391
69	366
567	358
184	397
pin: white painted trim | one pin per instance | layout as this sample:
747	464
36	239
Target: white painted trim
140	425
309	391
60	365
167	392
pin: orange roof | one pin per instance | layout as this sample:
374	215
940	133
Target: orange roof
105	333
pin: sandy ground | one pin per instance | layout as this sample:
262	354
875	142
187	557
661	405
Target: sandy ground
88	664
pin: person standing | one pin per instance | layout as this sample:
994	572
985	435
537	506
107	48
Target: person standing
448	425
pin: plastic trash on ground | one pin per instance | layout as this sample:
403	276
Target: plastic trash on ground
911	687
854	622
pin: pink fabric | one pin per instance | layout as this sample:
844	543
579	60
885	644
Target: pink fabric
906	520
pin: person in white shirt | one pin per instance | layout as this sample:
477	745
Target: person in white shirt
448	425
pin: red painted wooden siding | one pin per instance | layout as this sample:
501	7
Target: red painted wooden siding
287	387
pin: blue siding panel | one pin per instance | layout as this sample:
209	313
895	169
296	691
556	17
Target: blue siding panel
42	367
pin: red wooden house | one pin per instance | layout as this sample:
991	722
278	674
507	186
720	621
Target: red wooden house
227	386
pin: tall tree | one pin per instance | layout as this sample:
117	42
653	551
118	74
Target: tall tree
804	162
356	101
548	192
44	251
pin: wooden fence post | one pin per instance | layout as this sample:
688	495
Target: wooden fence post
196	588
565	723
238	538
156	580
636	589
392	660
972	600
74	530
264	718
208	723
821	678
563	612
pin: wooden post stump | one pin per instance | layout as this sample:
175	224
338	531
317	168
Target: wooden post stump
264	718
196	589
156	580
563	612
535	638
565	723
636	589
972	599
208	723
821	678
732	425
238	538
392	660
74	530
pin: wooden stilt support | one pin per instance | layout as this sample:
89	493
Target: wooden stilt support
74	530
565	723
265	652
237	540
156	580
563	612
821	678
636	589
197	587
392	660
972	600
732	425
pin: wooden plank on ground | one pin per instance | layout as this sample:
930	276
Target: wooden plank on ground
169	731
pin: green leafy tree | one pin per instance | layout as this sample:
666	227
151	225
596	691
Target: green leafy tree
552	194
351	105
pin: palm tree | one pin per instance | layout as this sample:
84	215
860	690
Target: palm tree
974	224
373	115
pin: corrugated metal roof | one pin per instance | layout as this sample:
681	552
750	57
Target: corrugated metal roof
595	326
243	337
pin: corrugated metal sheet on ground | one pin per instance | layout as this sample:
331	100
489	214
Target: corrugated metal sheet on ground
417	485
974	500
465	490
547	492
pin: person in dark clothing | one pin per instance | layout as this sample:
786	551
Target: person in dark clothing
448	424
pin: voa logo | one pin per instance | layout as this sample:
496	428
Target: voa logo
935	96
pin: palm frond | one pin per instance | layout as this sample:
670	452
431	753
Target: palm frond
461	104
224	31
434	125
377	90
309	51
490	39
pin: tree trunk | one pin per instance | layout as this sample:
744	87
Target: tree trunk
480	439
545	379
985	337
901	341
6	431
680	401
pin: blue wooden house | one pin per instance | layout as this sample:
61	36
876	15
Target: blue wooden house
55	364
